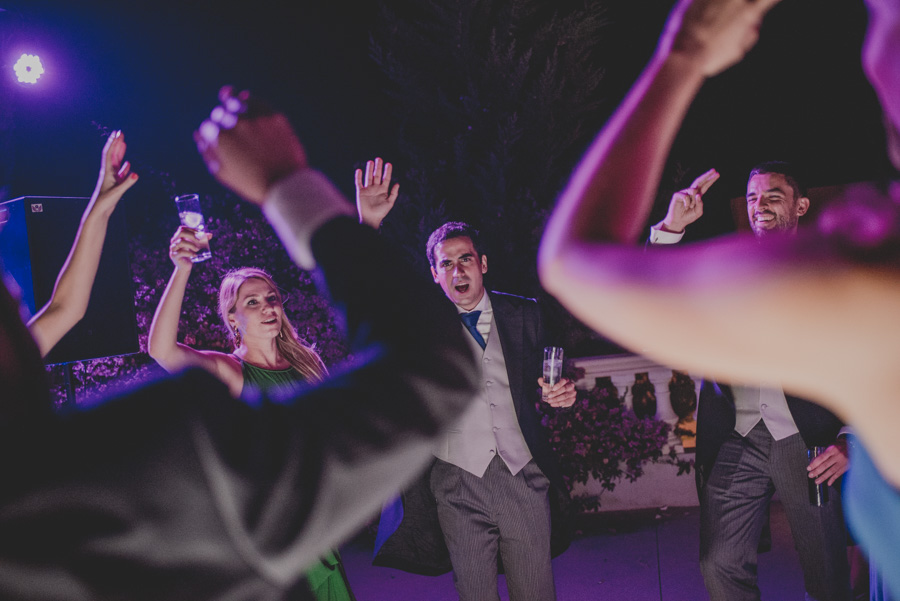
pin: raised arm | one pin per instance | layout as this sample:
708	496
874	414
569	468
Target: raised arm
802	311
162	343
611	193
686	206
374	195
680	305
879	58
69	300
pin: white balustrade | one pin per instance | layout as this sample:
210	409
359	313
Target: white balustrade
659	485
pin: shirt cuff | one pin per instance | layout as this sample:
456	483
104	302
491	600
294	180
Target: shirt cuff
299	205
658	236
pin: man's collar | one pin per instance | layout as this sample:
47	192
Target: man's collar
483	305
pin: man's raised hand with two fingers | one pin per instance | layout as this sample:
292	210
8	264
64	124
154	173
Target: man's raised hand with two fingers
686	205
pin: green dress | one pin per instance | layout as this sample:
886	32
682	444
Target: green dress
327	579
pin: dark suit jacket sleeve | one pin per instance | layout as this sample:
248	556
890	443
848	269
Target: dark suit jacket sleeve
520	324
179	491
356	441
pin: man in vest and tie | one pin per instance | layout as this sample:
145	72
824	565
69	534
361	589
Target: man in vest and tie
495	481
491	479
752	441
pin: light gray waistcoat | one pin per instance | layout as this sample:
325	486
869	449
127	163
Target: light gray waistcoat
490	425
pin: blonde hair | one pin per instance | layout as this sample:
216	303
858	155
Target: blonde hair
301	356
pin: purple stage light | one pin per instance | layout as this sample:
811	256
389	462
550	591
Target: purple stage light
29	68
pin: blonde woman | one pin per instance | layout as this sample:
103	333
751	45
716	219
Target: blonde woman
267	355
250	307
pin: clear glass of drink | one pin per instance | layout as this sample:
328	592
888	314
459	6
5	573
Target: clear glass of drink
818	493
191	216
553	365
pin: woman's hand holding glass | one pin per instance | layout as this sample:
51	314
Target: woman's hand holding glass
185	245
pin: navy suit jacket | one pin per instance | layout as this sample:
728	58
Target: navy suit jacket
716	418
417	544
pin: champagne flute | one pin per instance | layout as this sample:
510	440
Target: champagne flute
553	365
191	216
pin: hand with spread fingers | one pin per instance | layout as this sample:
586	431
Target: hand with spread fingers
115	174
561	394
374	195
830	465
686	205
247	146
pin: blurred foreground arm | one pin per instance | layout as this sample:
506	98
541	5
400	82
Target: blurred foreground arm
162	341
369	428
69	301
881	52
583	259
800	312
611	193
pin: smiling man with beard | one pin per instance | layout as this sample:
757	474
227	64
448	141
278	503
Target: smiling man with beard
775	200
814	312
752	440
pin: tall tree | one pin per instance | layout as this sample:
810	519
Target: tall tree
494	101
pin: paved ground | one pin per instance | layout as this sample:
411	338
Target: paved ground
639	556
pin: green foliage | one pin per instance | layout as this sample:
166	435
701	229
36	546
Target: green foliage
492	101
495	100
600	438
241	237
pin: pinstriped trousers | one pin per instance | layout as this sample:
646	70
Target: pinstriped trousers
501	515
733	507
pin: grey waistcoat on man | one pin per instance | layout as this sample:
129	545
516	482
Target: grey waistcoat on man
490	425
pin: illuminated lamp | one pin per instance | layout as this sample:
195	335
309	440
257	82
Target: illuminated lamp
28	68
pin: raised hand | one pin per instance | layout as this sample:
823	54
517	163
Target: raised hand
716	33
69	300
247	146
185	244
374	195
686	205
115	175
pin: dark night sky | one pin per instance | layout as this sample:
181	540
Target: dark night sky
153	70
